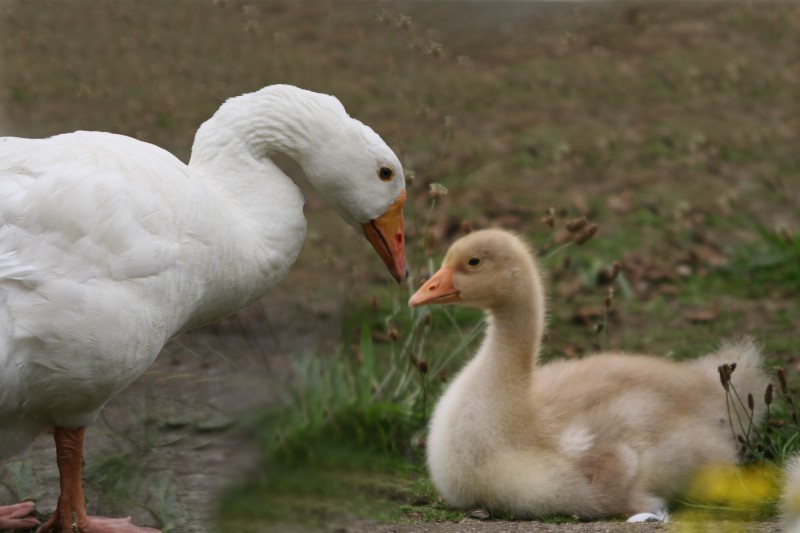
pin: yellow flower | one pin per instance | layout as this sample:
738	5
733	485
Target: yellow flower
727	489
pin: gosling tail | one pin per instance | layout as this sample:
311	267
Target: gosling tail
748	377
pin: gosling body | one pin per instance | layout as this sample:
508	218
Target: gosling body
611	434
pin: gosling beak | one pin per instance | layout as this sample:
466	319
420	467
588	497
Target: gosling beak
385	234
437	290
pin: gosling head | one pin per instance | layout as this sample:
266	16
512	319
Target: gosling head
488	269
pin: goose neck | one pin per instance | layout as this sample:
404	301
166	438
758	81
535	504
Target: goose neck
275	120
252	212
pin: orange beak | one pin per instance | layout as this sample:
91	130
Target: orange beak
385	234
437	290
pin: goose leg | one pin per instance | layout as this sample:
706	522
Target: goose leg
70	514
18	516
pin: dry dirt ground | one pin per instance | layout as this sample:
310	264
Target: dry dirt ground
520	527
494	95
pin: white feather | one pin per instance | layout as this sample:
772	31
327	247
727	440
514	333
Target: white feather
110	246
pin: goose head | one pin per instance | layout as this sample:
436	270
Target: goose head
362	179
351	167
488	269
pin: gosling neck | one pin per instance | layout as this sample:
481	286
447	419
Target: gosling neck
516	326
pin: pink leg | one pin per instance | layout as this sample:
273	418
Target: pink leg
18	516
70	515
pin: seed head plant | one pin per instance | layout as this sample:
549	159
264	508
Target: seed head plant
750	491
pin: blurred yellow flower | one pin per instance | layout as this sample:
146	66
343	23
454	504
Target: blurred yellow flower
728	492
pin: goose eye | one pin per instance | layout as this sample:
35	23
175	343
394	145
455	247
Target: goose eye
474	261
385	173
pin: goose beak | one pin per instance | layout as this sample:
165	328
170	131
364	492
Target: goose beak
437	290
385	234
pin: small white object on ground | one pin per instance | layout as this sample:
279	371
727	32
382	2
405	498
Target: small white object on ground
650	517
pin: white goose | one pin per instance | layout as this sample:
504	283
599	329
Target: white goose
110	246
607	435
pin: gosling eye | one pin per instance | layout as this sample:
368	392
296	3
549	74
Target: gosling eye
474	261
385	173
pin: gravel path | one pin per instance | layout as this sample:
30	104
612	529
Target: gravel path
475	526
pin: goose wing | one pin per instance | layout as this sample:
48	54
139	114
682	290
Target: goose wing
85	220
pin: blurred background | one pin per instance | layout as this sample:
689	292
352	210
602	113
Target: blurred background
674	126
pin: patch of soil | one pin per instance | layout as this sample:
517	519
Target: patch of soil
474	526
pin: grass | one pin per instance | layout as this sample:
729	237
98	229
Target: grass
378	486
771	262
358	420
